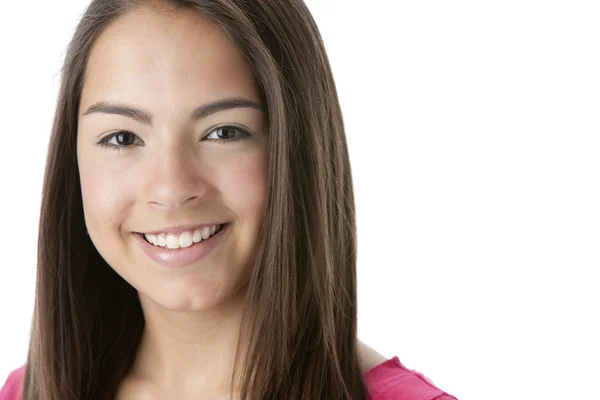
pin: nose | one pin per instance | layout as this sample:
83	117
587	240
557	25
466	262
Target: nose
173	177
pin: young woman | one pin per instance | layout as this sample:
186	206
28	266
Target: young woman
197	232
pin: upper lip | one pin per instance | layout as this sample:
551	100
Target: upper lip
182	228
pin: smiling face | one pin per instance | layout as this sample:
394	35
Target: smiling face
172	141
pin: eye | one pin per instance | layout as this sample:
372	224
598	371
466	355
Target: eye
227	133
120	140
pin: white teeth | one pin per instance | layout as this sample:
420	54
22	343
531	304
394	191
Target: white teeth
150	238
185	239
172	241
197	236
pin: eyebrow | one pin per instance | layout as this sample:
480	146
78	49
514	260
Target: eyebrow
199	113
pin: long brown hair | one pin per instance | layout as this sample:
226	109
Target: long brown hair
298	333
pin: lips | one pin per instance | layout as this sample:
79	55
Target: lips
181	257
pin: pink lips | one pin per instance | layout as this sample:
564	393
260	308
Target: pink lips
181	257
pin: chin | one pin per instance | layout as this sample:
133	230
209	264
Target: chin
196	299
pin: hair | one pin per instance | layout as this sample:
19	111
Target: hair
299	327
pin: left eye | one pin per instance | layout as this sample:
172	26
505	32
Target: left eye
227	133
120	140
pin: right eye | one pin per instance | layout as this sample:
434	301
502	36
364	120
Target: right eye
120	140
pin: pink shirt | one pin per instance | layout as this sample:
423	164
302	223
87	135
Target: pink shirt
389	380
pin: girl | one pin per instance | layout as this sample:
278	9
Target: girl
197	232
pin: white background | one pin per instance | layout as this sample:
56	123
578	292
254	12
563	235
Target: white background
474	133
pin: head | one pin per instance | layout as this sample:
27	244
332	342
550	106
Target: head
178	115
193	156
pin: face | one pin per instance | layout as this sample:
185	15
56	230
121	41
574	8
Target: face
171	148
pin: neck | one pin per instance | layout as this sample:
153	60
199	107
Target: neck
189	353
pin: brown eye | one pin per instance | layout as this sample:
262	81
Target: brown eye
124	138
227	133
120	139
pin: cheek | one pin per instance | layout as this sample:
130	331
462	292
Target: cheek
244	186
106	195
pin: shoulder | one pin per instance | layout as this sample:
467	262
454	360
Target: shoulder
13	387
389	379
368	357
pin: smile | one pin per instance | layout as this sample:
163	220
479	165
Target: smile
176	251
183	239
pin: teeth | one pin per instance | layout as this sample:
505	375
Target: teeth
172	242
197	236
185	239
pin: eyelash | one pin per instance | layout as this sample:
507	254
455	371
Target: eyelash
243	135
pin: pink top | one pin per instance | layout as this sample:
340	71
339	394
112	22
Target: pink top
389	380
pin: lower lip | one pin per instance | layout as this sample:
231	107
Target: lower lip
177	258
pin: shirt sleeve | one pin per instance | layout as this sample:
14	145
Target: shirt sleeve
391	380
445	397
409	387
13	386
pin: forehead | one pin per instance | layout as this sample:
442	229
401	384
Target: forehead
156	59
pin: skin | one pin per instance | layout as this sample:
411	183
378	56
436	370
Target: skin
175	172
